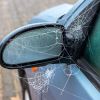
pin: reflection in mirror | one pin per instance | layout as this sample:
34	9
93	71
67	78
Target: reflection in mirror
34	45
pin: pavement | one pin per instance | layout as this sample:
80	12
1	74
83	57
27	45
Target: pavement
13	14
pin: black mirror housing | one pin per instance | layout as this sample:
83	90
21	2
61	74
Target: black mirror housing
46	41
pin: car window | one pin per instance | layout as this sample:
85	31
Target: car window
92	52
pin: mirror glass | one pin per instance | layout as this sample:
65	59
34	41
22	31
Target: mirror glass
34	45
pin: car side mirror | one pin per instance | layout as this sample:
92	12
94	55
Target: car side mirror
32	45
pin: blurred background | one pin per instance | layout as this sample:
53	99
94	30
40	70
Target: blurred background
13	14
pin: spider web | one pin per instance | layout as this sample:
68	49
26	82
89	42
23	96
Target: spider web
41	79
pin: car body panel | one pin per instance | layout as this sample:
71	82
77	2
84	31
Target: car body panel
62	85
78	87
52	14
58	11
